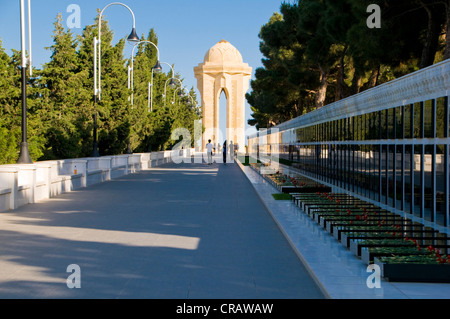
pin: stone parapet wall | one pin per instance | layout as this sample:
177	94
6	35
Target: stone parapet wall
22	184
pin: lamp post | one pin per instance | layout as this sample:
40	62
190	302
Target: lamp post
157	68
172	84
24	157
180	94
191	102
132	38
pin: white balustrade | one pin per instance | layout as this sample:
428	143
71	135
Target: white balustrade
22	184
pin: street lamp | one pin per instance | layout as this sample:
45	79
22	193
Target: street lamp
181	94
132	38
191	102
157	68
24	157
172	84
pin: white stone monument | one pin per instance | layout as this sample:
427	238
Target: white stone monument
223	69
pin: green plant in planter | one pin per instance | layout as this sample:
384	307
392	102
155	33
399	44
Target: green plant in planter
384	241
282	196
415	259
397	250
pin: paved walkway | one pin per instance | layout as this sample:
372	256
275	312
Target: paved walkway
187	231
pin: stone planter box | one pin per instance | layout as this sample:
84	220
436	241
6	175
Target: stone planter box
412	272
356	247
324	220
339	229
331	227
346	237
305	189
316	215
368	256
317	208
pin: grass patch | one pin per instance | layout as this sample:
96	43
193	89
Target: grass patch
245	160
282	196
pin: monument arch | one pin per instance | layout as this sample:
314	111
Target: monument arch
223	70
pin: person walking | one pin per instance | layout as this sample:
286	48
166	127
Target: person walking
231	147
224	152
209	150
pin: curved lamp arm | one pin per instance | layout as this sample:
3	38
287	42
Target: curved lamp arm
192	100
170	68
132	67
132	37
180	94
165	87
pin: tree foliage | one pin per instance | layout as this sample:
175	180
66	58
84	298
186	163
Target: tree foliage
320	51
61	100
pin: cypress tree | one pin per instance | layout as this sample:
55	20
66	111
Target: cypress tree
61	87
9	129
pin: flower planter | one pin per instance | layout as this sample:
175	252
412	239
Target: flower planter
346	237
316	215
304	189
308	207
343	209
339	229
324	220
414	272
288	184
310	198
356	246
368	255
391	245
331	226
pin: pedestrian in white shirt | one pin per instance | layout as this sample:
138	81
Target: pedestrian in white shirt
209	150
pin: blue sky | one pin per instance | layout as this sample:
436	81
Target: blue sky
186	29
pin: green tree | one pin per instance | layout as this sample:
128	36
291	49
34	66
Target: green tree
61	86
112	109
9	129
320	51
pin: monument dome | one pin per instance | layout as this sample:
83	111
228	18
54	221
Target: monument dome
223	53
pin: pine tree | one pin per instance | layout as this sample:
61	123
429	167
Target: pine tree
113	127
8	131
61	87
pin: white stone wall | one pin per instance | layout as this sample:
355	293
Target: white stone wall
22	184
